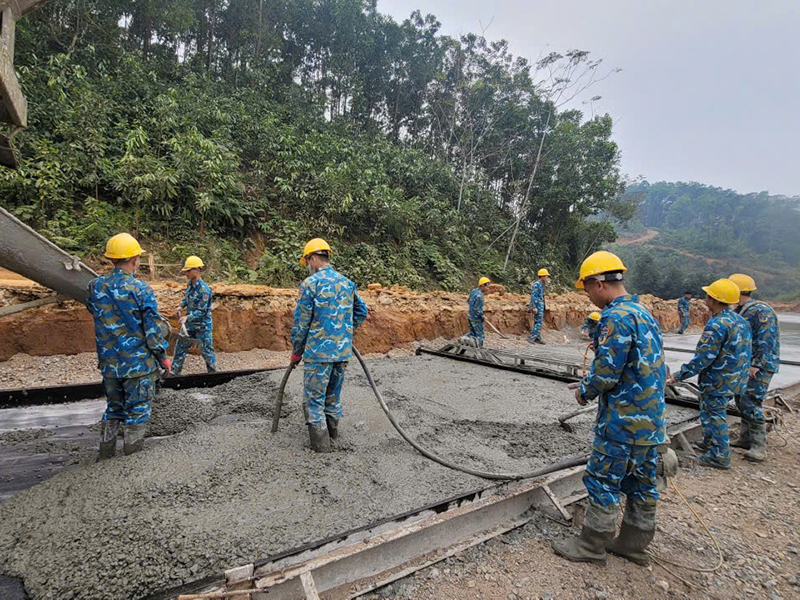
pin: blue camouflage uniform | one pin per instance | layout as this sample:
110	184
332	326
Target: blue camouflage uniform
589	327
475	315
766	357
199	325
683	313
537	302
328	310
722	361
627	376
130	344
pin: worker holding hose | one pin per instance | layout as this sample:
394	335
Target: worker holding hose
764	363
198	320
130	345
722	361
328	311
628	377
475	315
537	307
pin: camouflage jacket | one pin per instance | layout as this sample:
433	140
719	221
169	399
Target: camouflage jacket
722	356
628	374
589	326
127	326
475	303
766	354
537	297
197	302
328	310
683	305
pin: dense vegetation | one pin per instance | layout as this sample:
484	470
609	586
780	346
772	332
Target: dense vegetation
238	129
706	232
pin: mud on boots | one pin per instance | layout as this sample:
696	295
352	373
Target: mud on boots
198	320
537	306
764	363
130	345
628	377
475	312
328	311
722	363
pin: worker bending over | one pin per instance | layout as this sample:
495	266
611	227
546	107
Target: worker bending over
589	327
683	311
722	361
764	363
328	310
198	320
130	345
628	377
537	307
475	314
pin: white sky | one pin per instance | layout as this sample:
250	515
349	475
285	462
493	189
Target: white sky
709	90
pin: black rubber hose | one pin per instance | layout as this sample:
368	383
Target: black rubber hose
564	464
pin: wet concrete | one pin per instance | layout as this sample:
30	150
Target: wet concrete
225	491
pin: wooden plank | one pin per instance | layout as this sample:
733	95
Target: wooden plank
13	99
309	587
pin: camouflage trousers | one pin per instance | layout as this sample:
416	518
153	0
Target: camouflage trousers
714	420
206	338
684	317
750	403
322	390
476	331
129	399
616	467
538	321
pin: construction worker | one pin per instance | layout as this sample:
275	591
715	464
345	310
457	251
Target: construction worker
722	361
328	310
475	315
683	311
130	345
627	376
589	327
198	320
537	307
764	363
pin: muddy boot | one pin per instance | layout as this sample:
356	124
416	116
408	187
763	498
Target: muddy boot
108	439
706	461
758	443
539	341
211	369
598	531
333	427
134	437
320	438
701	445
638	530
744	440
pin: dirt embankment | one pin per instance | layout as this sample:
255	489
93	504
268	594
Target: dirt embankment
248	317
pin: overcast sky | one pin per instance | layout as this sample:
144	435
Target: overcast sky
709	92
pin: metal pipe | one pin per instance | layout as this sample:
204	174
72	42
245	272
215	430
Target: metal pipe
15	308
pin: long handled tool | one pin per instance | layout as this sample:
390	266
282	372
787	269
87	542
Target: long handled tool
276	415
496	330
562	420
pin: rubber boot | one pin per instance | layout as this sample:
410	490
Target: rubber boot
108	439
211	369
758	443
701	445
539	341
705	461
744	440
598	530
638	530
134	437
333	427
320	438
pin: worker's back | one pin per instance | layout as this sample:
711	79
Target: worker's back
727	335
126	325
766	333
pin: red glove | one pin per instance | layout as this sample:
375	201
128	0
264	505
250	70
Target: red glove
167	365
295	358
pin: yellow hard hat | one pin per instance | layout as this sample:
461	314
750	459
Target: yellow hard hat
483	281
315	245
598	263
544	272
595	316
723	290
745	283
122	245
193	262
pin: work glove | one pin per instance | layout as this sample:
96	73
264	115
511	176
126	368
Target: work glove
295	358
166	364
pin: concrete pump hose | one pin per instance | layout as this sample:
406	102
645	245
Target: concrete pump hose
564	464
